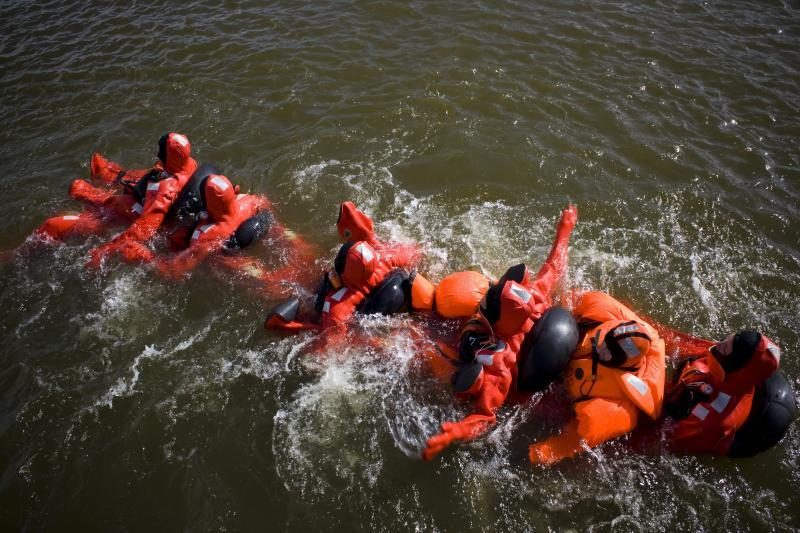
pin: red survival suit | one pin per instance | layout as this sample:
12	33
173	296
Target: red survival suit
226	209
367	262
362	264
145	197
225	212
507	313
708	403
354	225
617	372
367	270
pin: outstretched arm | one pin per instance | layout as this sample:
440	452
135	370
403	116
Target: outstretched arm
155	210
597	421
493	394
206	243
84	223
556	263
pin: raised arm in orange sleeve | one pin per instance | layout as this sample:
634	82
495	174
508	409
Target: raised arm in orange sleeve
556	263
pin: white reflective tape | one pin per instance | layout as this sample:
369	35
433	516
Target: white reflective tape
70	217
603	352
636	383
774	351
365	252
700	412
180	139
326	307
240	196
519	291
485	357
619	330
205	227
196	234
721	402
137	208
153	186
629	347
220	182
338	295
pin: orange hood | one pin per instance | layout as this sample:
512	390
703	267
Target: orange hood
220	197
354	225
175	154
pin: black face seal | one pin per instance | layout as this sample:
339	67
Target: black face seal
515	273
744	344
341	257
471	342
490	305
162	149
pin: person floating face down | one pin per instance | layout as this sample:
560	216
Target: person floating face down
370	276
490	342
614	376
136	197
728	398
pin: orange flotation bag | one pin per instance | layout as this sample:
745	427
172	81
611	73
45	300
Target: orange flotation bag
456	296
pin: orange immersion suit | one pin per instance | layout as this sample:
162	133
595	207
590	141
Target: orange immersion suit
521	302
143	202
369	269
721	401
161	192
607	399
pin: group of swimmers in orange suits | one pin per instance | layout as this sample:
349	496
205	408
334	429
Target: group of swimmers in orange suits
723	398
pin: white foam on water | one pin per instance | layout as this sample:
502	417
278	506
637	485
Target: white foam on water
310	177
250	362
706	298
125	387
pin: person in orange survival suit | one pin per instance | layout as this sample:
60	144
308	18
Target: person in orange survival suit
354	225
727	398
616	373
123	194
490	342
228	221
371	276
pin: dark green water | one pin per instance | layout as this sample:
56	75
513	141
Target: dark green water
132	404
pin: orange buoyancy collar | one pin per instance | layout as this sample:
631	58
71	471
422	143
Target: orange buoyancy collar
363	268
353	225
640	379
178	155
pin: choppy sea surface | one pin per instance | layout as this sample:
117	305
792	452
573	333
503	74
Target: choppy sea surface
129	403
